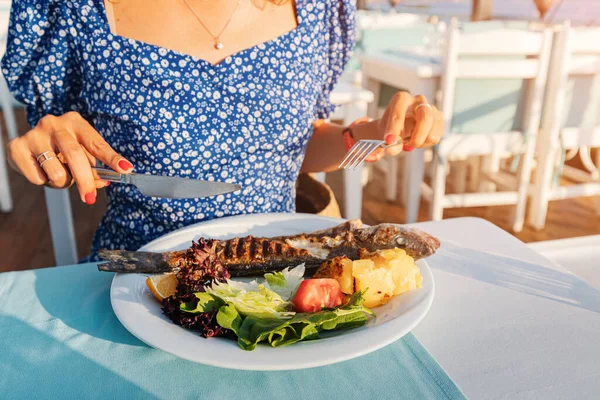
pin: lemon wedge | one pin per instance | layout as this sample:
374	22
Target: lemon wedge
162	286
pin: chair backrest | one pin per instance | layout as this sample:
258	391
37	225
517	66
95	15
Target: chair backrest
486	26
572	105
4	21
491	104
496	53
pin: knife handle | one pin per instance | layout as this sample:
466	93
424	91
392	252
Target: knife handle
110	175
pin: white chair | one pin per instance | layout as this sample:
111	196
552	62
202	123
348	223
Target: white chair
471	96
58	202
570	123
8	103
6	100
62	230
501	53
5	196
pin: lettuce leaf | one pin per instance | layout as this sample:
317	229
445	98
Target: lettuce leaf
206	304
286	282
267	300
251	299
252	330
229	317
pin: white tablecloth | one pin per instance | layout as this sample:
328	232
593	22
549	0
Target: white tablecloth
506	322
579	255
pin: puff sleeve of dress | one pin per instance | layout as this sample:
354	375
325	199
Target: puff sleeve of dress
41	64
340	37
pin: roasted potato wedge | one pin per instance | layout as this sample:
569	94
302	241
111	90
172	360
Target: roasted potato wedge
379	282
384	274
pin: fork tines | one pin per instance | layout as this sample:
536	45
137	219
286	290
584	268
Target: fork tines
359	153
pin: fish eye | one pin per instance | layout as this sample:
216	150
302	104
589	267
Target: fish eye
401	241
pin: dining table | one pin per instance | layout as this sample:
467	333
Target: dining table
505	323
579	255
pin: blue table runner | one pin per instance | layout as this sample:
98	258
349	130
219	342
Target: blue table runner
59	338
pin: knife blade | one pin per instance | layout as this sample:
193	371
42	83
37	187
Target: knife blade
168	186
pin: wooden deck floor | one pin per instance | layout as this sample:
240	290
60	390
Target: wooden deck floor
25	241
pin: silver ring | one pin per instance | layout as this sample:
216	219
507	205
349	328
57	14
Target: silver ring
45	157
424	105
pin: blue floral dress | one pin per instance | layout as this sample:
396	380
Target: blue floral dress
246	120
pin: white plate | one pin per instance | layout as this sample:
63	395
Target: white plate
141	315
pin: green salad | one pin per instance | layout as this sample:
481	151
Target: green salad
267	311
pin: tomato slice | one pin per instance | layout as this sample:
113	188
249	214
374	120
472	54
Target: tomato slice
314	294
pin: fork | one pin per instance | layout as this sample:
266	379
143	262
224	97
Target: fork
361	150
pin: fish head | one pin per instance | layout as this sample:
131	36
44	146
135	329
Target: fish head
416	243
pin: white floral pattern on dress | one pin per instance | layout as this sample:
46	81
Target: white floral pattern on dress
246	120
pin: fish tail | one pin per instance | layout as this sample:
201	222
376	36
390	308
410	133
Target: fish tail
137	261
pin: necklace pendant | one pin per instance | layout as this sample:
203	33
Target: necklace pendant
218	44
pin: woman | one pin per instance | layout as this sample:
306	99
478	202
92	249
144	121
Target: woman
232	91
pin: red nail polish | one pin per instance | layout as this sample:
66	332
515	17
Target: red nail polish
90	198
125	165
407	148
390	138
107	183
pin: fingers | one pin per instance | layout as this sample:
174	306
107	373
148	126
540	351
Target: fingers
58	176
79	165
97	146
23	161
375	156
39	142
409	125
407	119
395	116
424	121
435	135
100	184
71	147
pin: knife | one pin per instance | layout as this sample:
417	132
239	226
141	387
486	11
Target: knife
168	186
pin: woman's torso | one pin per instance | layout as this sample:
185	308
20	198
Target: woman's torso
245	120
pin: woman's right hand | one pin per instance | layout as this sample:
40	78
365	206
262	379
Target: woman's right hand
74	145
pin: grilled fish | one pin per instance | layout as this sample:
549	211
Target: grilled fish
254	256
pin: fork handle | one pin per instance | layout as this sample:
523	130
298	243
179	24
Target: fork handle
387	146
398	143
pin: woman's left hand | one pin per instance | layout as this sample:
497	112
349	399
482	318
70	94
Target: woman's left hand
410	119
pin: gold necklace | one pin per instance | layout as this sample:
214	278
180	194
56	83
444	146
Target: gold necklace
216	38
